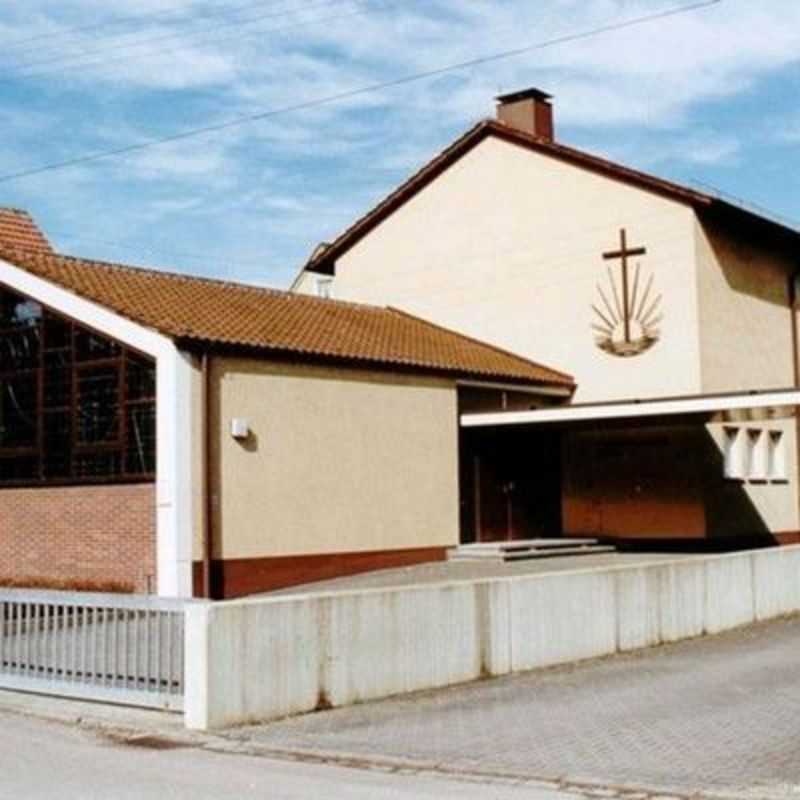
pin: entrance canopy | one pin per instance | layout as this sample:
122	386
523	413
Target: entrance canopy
697	404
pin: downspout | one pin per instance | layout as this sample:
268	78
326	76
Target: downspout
794	281
208	526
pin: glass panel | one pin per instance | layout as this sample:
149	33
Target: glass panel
17	311
97	419
97	465
90	346
19	469
57	333
57	444
141	378
141	445
98	404
18	410
57	380
19	348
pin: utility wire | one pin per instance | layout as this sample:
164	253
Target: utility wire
65	60
350	93
275	29
154	248
178	12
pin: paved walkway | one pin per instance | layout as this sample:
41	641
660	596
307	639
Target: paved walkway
719	713
442	571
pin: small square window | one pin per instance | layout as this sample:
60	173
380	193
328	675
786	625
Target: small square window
324	287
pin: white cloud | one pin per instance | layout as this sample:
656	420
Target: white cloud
279	185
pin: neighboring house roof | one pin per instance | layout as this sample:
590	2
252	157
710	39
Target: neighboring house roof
18	229
323	262
208	313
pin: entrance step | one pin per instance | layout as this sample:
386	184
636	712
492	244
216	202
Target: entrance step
525	549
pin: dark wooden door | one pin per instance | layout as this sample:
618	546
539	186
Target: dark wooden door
493	511
517	487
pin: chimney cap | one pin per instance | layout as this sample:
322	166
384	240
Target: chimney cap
524	94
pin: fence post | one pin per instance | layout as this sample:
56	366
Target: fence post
197	623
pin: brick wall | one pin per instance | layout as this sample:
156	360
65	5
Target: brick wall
80	533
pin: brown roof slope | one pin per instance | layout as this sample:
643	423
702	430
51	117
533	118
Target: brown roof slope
17	229
203	311
322	262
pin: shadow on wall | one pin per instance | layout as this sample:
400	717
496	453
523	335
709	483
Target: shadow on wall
761	272
659	486
733	520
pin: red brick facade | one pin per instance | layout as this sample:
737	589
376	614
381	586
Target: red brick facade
96	534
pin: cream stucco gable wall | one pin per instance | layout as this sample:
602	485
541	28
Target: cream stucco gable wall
507	246
745	316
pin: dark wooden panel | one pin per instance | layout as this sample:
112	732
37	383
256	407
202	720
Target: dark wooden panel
641	484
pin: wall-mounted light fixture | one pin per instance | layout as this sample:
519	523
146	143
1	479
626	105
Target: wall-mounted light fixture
240	429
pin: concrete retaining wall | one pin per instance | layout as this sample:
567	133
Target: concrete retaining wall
256	660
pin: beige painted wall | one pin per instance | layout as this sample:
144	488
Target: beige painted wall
307	283
775	503
338	460
507	246
745	322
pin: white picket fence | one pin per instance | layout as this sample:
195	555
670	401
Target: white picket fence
117	648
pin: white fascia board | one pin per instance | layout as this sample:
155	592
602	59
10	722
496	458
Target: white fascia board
543	391
174	429
635	409
92	314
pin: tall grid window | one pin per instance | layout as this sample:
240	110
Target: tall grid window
75	406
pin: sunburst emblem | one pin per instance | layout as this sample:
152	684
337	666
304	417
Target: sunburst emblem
627	316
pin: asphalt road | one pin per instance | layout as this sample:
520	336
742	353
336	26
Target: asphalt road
42	760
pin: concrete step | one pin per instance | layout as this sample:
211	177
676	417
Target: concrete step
564	551
531	548
525	544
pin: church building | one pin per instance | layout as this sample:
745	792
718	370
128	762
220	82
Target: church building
185	436
191	437
674	309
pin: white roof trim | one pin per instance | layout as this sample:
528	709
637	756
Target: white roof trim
88	312
175	486
637	408
545	391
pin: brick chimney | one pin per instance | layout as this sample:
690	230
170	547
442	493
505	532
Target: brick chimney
529	110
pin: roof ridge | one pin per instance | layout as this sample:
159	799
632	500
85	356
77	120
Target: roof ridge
481	342
440	162
600	161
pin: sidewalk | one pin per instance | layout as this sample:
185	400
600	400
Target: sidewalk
713	717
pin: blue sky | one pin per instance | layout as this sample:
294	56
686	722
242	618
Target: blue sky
709	96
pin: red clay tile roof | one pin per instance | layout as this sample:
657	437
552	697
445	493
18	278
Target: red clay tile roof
323	261
200	311
17	229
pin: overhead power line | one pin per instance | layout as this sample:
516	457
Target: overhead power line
66	32
356	92
179	12
155	247
215	38
64	62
